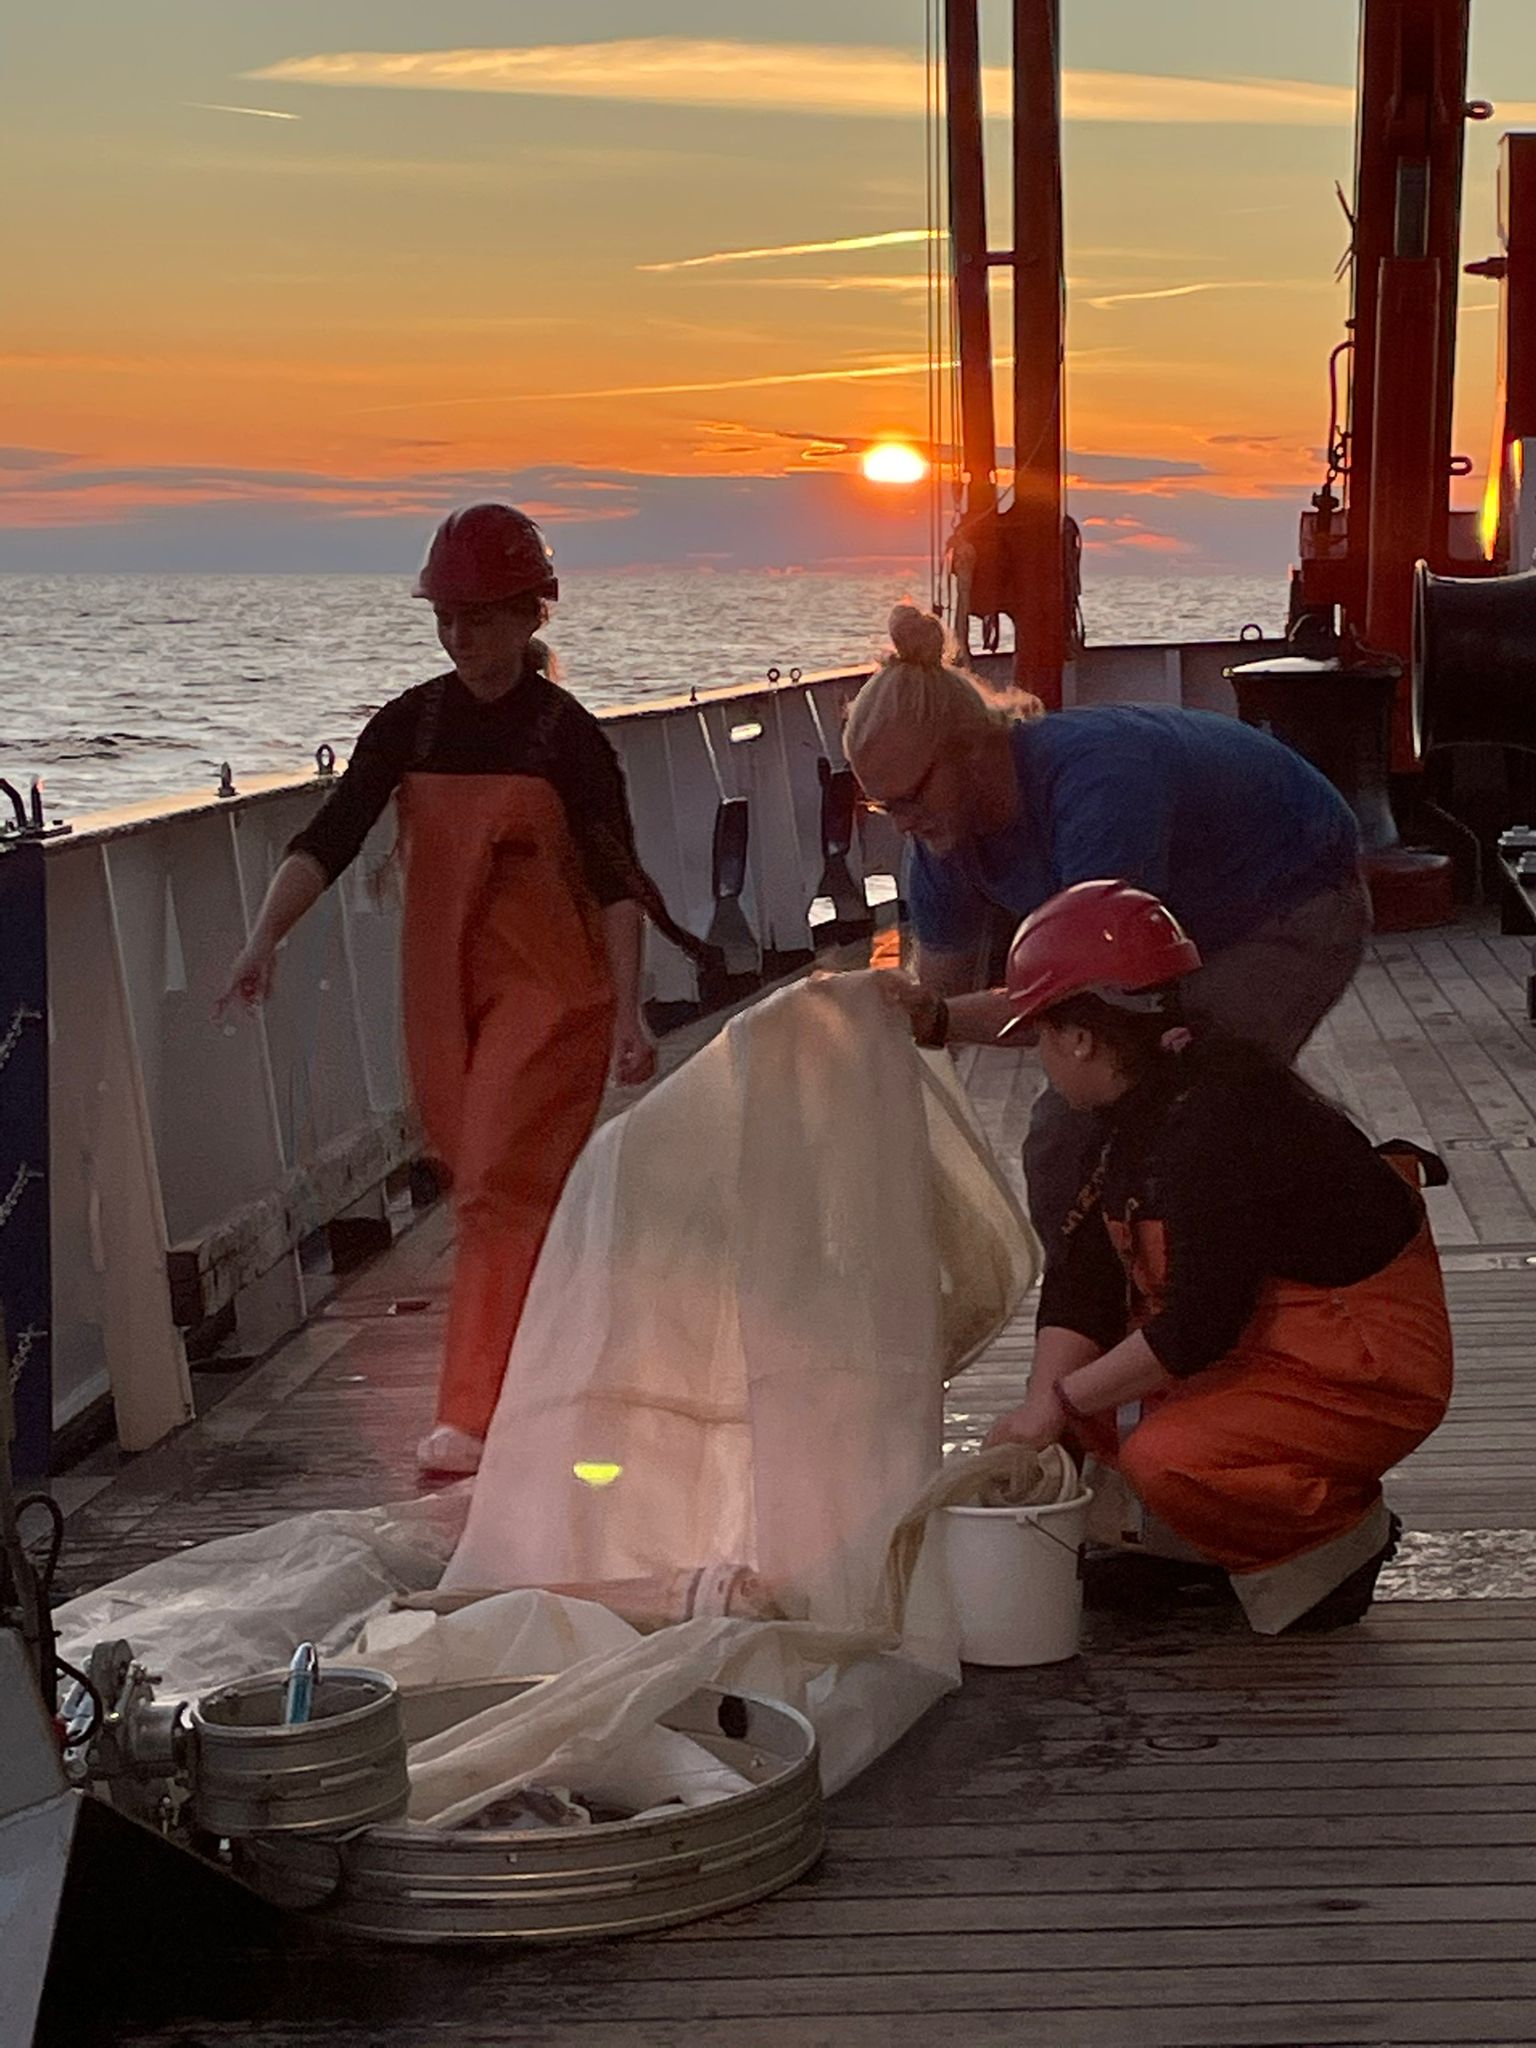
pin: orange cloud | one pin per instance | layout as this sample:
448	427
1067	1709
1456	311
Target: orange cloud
891	240
553	513
911	366
1156	543
90	503
1117	533
58	512
842	79
1218	284
258	113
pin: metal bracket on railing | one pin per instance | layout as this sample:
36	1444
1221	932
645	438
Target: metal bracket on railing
325	759
227	780
728	929
839	803
729	851
852	918
23	825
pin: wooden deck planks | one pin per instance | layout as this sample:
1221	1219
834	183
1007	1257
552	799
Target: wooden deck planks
1185	1837
1436	1025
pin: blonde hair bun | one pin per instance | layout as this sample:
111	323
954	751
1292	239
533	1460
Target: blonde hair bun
917	637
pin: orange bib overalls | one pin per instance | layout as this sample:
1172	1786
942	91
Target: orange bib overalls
1270	1462
509	1011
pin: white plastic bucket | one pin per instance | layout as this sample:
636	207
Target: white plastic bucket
1014	1577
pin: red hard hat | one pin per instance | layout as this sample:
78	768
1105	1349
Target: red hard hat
482	554
1104	938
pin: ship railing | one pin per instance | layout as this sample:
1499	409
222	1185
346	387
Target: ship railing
169	1183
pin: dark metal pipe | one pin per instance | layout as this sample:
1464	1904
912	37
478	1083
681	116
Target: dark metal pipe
968	251
1037	598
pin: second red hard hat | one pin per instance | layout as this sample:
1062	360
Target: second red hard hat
1106	937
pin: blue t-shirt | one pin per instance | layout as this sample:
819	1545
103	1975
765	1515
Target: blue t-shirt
1226	825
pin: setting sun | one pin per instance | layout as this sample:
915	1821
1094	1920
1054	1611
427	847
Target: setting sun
894	462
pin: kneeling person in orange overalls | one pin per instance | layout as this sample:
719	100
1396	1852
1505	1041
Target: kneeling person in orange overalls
1247	1319
522	932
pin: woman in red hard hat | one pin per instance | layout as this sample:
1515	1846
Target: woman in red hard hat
522	929
1247	1318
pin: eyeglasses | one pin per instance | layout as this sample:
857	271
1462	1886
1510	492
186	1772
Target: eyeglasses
895	806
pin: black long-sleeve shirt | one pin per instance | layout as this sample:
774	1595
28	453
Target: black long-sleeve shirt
440	727
1253	1178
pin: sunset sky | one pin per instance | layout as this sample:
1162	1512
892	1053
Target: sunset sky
289	278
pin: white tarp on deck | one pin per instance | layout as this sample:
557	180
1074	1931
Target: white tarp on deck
733	1354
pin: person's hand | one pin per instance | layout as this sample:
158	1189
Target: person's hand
905	994
250	980
1038	1421
634	1052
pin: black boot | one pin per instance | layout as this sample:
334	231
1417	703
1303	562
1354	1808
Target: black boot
1350	1599
1132	1581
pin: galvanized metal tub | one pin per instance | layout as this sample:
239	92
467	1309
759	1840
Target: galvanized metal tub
427	1885
343	1768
